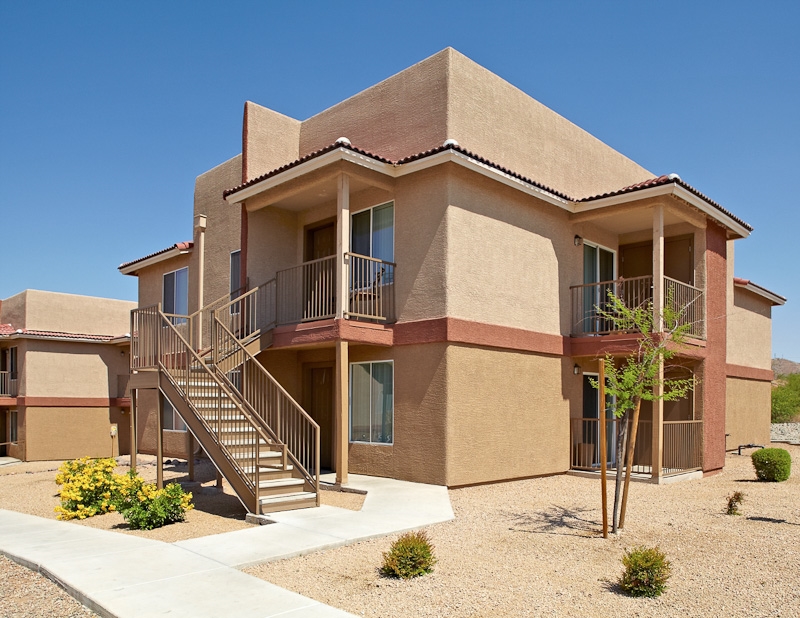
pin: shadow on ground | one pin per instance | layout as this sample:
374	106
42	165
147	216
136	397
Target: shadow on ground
557	520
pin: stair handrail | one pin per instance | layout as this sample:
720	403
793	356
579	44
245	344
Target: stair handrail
257	423
251	313
250	361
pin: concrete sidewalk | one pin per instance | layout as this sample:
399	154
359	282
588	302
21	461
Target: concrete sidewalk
126	576
390	507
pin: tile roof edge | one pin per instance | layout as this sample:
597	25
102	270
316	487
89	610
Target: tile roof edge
180	246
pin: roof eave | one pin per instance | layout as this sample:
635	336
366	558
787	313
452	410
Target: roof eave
133	268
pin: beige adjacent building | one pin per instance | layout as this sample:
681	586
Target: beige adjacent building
64	371
411	278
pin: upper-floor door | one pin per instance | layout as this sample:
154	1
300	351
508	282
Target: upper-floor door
175	296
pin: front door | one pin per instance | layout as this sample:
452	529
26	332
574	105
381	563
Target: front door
319	393
319	277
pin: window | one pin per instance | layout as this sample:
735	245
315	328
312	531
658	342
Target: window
171	420
372	232
236	279
12	426
176	292
8	362
372	402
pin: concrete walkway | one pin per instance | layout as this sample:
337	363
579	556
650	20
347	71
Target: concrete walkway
126	576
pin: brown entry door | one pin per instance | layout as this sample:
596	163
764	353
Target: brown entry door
321	410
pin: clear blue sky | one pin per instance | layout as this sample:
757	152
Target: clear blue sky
109	111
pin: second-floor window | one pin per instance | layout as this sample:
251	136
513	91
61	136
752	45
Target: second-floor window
372	232
176	292
170	418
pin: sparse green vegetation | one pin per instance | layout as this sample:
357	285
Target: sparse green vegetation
646	572
786	399
409	556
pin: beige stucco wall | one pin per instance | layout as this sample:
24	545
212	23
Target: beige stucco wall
507	414
269	140
272	243
450	96
175	442
151	279
747	414
67	313
67	369
223	232
68	433
749	330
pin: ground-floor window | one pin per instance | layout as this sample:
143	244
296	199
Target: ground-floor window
170	418
372	402
12	426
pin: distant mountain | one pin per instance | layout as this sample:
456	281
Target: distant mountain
783	366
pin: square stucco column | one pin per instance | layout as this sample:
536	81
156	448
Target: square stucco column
658	311
342	244
342	411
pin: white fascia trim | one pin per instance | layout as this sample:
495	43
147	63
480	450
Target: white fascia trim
485	170
339	154
668	189
764	293
174	252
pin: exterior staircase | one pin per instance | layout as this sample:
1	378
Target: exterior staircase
259	438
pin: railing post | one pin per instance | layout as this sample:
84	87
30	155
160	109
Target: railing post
342	244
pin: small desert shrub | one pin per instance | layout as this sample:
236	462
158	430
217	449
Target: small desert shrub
734	500
409	556
772	464
87	487
646	572
145	507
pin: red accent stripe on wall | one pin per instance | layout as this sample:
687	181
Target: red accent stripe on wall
74	402
749	373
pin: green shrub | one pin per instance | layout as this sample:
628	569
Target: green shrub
786	399
734	501
409	556
87	487
145	507
646	572
772	464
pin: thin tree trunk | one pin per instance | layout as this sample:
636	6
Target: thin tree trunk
631	448
621	434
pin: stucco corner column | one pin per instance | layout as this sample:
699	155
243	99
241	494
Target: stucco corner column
342	244
342	412
200	230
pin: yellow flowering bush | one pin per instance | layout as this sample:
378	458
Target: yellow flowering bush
145	507
88	487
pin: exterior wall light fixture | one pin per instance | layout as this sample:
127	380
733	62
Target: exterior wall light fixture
578	241
577	370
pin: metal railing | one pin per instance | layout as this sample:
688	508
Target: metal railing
200	320
682	445
586	449
307	292
145	324
250	314
591	299
688	303
263	394
371	285
8	384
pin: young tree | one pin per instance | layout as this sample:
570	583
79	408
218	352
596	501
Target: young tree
640	377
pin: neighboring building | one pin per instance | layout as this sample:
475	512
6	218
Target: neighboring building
64	370
421	264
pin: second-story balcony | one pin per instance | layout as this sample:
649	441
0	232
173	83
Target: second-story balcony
309	292
8	384
590	302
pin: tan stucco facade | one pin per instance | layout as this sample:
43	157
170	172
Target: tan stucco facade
747	417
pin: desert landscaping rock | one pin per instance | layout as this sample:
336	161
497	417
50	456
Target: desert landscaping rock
532	548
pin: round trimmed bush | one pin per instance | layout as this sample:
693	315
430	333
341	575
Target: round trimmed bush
409	556
772	464
646	572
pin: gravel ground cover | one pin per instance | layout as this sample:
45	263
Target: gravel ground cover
533	548
27	594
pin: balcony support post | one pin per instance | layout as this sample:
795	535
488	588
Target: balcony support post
342	244
196	338
657	449
342	411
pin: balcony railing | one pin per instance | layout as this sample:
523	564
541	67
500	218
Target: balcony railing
8	384
682	446
307	292
590	300
371	288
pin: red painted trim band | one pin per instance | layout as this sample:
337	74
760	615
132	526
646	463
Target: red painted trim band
74	402
749	373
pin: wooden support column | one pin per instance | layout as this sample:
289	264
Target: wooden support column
190	454
134	441
160	443
342	245
342	411
657	424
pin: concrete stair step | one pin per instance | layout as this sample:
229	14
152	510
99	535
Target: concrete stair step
279	485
